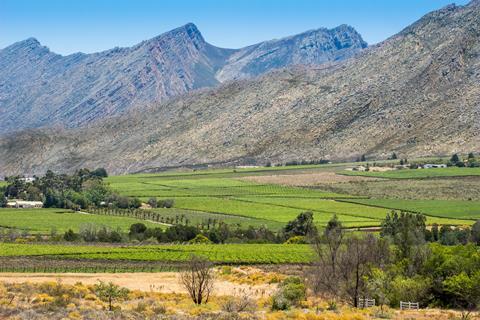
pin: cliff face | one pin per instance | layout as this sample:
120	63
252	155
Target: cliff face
309	48
40	88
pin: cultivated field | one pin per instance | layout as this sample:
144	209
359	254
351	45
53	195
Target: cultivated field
227	253
417	173
274	196
441	208
453	188
60	220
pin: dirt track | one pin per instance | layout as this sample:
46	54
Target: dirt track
165	282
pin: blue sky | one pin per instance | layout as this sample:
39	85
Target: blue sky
68	26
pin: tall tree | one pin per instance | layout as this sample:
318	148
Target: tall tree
302	225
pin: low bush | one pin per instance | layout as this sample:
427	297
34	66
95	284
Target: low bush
291	292
200	239
296	240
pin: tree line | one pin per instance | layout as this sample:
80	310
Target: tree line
80	190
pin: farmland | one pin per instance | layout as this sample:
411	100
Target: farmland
418	173
439	208
274	196
60	220
453	188
228	253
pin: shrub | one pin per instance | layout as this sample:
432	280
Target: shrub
200	239
70	235
293	289
137	230
109	292
181	233
152	202
409	289
296	240
279	302
242	303
159	309
290	293
167	203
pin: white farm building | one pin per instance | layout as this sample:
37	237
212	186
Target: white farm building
24	204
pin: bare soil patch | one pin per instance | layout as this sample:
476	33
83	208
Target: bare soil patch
164	282
306	179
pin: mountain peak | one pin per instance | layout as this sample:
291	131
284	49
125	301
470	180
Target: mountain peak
190	26
29	45
32	41
187	31
29	42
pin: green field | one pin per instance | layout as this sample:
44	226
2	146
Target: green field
220	194
439	208
199	217
418	173
272	214
43	220
156	186
227	253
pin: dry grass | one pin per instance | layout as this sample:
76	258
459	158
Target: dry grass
162	282
464	188
54	300
249	276
305	179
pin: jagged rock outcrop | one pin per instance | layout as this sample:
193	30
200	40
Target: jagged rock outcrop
311	47
41	88
417	93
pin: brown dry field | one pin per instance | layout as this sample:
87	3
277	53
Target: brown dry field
306	179
163	282
167	282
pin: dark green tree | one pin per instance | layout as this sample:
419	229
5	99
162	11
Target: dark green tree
407	230
435	234
70	235
475	232
302	225
455	158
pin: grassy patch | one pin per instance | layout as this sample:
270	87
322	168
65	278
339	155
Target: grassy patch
43	220
227	253
199	217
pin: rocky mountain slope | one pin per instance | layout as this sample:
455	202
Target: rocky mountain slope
417	93
39	87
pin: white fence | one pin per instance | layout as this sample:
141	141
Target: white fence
408	305
366	303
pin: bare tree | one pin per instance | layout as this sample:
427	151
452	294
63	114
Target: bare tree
327	247
359	256
344	262
198	279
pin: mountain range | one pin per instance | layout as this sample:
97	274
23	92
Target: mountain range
416	94
40	88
